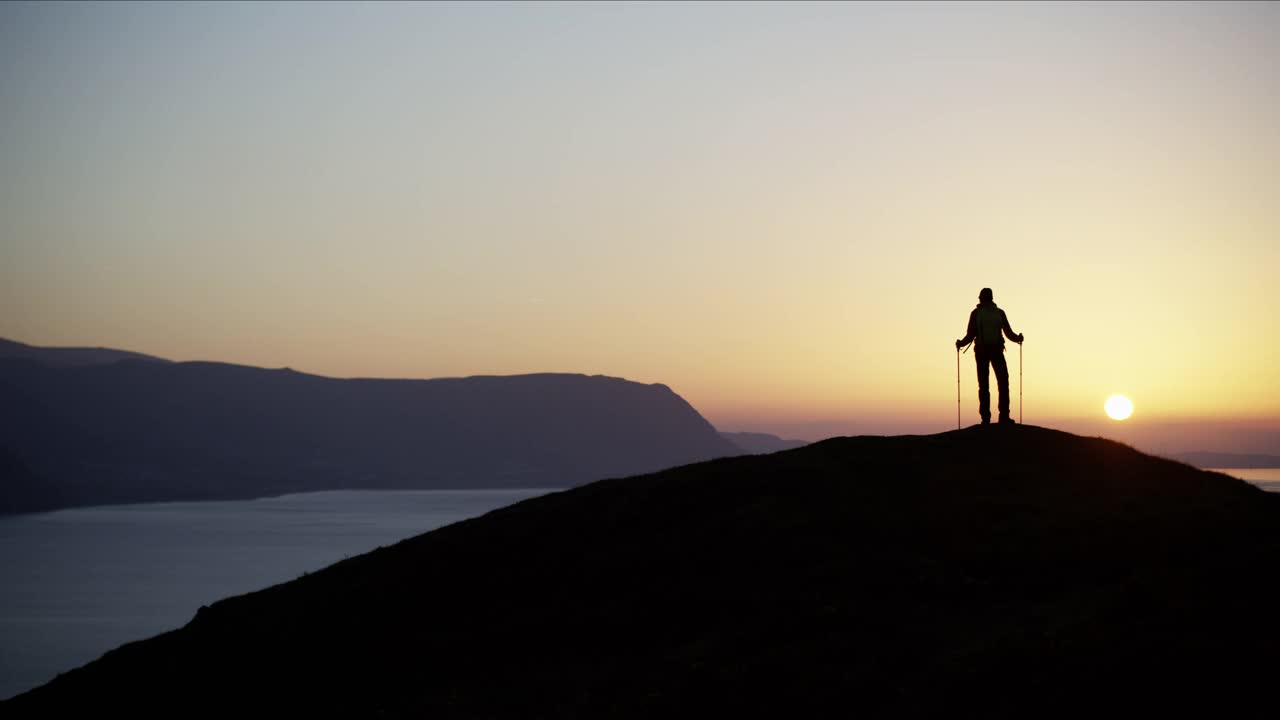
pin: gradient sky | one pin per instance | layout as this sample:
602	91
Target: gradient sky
784	212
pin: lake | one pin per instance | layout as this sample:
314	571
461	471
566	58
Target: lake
77	583
1265	478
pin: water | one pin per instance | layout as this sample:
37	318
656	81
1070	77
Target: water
76	583
1266	478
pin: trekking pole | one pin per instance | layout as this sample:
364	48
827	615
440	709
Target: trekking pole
1019	383
966	349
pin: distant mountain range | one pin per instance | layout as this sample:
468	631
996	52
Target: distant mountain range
878	577
84	427
759	443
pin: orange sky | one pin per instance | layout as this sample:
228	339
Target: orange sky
783	212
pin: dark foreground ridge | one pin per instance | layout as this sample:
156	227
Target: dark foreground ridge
1002	571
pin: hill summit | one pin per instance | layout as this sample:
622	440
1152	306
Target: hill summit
1002	571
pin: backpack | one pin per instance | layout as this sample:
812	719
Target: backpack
990	325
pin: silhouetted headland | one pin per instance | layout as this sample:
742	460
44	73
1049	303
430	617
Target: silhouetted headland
70	356
994	572
129	430
21	488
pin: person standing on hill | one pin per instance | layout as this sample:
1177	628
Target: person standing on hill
988	327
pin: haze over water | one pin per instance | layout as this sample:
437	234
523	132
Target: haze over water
1266	478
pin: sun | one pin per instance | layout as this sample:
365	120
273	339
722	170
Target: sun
1118	407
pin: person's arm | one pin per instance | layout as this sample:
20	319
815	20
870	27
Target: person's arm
969	333
1008	331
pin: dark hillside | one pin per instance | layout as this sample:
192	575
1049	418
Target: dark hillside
993	572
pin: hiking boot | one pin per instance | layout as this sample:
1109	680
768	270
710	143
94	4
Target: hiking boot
986	421
1006	420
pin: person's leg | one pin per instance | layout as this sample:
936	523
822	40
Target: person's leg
984	386
1002	383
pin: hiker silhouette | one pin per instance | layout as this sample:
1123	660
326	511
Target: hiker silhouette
987	329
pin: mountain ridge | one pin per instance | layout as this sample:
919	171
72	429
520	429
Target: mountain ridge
136	431
71	356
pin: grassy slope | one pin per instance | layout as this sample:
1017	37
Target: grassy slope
992	572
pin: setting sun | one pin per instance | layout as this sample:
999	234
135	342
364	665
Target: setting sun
1118	407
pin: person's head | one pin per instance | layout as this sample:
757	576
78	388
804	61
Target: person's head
986	295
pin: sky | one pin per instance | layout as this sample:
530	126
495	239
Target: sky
784	212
